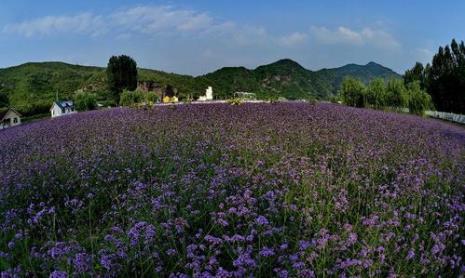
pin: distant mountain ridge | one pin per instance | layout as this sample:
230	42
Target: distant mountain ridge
38	83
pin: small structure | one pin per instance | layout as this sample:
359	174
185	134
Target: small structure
208	94
245	95
61	108
9	117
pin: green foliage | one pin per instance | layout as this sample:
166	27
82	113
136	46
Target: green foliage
417	73
380	95
376	93
419	100
35	108
121	75
151	97
4	100
85	101
131	98
30	84
353	92
396	94
446	78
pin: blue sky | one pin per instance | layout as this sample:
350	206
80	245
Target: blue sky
195	37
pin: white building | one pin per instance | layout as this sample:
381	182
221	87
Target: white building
9	117
208	94
61	108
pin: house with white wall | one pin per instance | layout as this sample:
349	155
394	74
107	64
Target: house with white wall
61	108
9	117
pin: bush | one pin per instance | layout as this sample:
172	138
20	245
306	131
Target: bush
353	92
85	101
131	98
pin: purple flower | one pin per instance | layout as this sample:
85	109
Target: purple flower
261	220
266	252
81	262
106	262
410	254
58	274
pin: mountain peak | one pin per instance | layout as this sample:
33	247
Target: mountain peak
371	64
282	65
287	62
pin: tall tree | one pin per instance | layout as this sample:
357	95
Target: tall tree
4	100
446	78
121	75
396	93
417	73
376	93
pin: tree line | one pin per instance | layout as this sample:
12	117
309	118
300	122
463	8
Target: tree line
379	94
444	78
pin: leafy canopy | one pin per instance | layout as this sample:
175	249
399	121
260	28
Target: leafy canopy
121	75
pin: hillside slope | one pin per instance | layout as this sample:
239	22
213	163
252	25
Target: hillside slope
37	84
289	79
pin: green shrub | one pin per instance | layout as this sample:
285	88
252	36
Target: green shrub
131	98
85	101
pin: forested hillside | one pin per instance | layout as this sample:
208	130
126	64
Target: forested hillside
32	86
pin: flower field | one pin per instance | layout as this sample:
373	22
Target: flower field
262	190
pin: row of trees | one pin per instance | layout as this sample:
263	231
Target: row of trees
380	94
444	78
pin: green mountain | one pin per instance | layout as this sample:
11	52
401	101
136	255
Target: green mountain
31	87
289	79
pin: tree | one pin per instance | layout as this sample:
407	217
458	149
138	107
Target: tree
417	73
353	92
85	101
376	93
396	94
445	80
121	75
419	100
4	100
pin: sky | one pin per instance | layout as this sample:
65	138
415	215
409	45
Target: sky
197	37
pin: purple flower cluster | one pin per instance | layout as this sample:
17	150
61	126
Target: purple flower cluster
287	190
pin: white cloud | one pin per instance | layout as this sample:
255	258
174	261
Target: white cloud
141	19
84	23
150	19
344	35
293	39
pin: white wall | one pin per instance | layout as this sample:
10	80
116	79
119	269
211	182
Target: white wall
456	118
14	119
